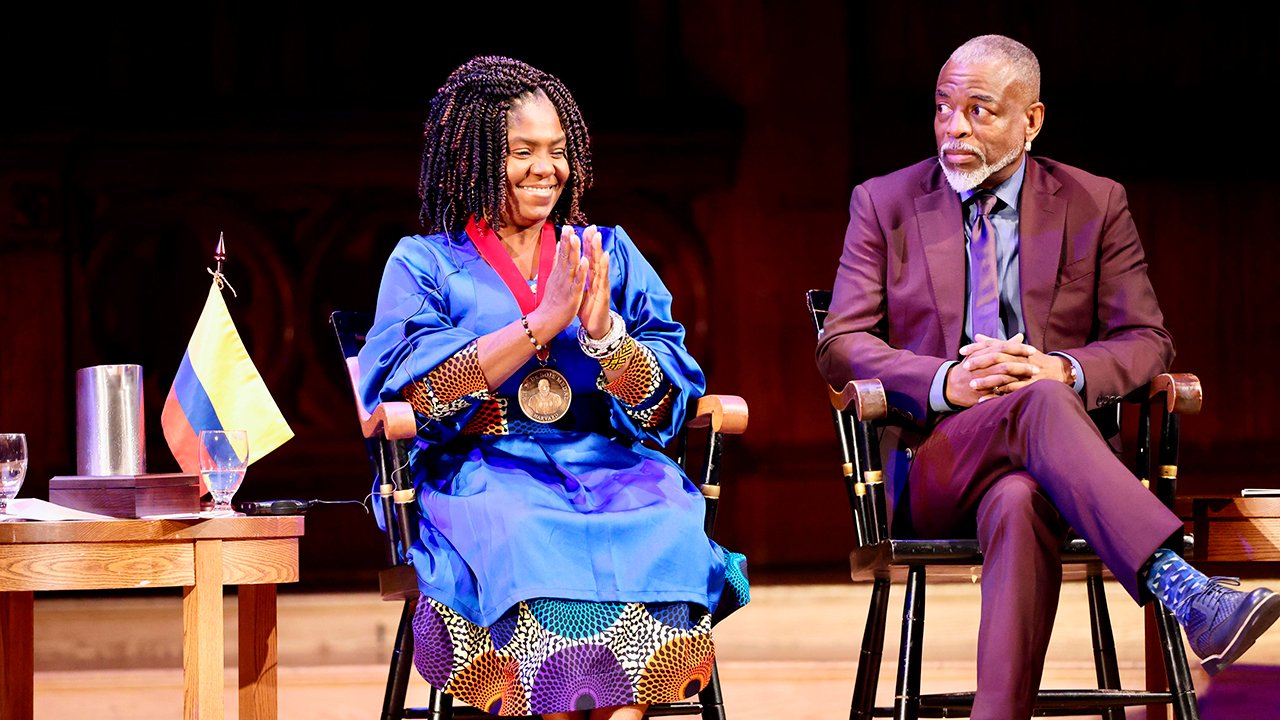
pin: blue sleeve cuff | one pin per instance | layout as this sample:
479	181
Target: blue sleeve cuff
1079	385
938	390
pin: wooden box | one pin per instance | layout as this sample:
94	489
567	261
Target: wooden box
128	496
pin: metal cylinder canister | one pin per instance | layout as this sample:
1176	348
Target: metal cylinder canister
111	436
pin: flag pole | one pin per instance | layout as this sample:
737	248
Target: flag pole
219	255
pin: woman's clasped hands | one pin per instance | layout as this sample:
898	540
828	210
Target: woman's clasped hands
578	285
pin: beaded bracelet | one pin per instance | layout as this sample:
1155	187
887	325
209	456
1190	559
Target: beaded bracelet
540	350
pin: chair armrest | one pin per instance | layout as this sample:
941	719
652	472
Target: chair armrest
392	420
724	413
1182	392
867	397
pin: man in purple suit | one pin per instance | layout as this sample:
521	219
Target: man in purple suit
998	296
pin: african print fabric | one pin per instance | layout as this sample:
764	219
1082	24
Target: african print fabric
547	656
453	385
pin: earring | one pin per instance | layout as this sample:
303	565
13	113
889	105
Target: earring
1028	146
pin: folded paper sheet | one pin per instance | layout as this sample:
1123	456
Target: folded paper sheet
35	509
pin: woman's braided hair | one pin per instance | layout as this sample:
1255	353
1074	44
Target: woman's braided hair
465	148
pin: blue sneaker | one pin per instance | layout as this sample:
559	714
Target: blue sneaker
1222	623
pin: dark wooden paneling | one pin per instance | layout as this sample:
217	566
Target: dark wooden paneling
727	137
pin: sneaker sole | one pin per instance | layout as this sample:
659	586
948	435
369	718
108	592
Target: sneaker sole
1261	617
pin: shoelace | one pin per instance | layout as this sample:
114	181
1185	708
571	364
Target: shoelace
1214	586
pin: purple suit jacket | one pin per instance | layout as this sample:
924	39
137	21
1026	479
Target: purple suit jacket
898	303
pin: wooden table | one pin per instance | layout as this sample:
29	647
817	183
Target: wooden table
1234	536
200	556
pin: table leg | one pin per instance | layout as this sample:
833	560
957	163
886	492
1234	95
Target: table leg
202	636
17	655
258	685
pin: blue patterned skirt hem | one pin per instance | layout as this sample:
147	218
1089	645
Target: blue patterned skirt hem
547	655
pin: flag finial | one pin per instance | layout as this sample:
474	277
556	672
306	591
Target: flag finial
220	254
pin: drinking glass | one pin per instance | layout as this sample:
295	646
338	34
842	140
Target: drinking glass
13	466
224	455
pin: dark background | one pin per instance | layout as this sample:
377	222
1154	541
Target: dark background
727	136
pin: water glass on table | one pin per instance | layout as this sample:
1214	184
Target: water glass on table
13	466
224	455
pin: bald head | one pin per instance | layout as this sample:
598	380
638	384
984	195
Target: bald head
1015	57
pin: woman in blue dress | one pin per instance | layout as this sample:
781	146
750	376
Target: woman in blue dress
563	565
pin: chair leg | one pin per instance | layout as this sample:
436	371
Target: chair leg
864	687
1175	663
906	704
1104	643
441	704
401	663
711	699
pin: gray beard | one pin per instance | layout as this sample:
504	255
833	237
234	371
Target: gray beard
961	181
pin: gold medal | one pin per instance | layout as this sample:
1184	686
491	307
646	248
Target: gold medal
544	395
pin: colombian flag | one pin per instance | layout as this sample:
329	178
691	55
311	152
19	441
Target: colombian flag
218	388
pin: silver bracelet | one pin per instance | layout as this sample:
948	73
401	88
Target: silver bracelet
607	345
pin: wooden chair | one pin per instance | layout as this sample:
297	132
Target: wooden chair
858	410
388	427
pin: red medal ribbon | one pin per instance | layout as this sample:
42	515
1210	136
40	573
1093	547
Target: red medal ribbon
491	249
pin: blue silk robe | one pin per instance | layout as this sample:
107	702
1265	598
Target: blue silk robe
583	513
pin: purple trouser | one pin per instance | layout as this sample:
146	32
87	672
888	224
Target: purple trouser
1022	469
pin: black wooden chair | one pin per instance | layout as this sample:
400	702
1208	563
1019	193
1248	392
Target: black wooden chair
859	410
388	427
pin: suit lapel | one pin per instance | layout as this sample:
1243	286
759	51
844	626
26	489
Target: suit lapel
1042	217
942	234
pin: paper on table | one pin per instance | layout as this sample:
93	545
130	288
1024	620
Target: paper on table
36	509
202	515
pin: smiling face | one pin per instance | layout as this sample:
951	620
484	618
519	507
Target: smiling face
982	120
537	162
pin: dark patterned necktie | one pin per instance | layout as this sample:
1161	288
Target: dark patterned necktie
984	285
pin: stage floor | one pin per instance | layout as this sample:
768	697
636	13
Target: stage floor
790	654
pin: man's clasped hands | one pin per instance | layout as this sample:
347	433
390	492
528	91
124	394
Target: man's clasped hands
993	367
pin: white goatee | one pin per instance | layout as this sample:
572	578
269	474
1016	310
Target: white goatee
961	180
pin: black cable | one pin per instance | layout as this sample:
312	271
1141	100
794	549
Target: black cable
288	507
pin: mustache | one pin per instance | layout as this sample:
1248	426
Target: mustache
957	146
